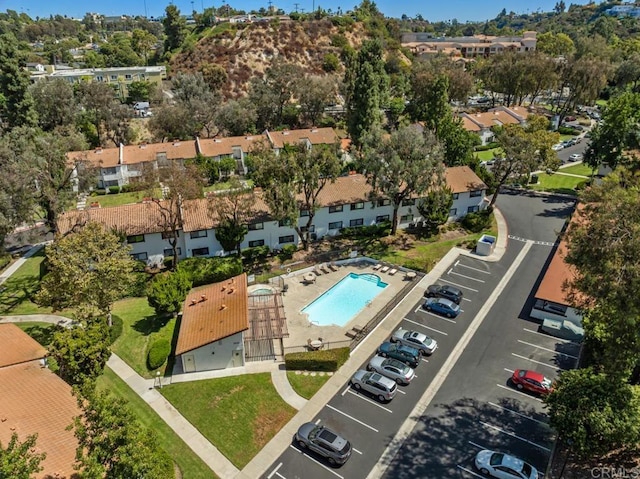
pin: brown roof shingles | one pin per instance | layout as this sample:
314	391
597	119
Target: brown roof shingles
316	136
463	178
213	147
36	401
17	346
224	311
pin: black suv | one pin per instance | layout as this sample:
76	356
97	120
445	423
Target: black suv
448	292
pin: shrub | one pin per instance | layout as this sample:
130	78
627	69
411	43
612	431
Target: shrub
476	222
5	259
116	329
139	285
330	62
583	184
567	130
255	253
158	353
287	252
114	190
210	270
167	291
338	40
328	360
488	146
378	230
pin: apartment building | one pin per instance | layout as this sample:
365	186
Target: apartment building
476	46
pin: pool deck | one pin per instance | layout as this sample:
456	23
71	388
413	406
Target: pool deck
300	294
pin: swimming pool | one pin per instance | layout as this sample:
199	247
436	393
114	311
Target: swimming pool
344	300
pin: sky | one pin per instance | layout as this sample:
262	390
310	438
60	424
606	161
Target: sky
432	10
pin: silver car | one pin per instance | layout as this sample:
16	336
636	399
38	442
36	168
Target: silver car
504	466
392	368
324	442
421	342
380	386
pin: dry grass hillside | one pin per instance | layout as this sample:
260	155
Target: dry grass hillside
247	51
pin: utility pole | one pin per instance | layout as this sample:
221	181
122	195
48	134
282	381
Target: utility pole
296	5
314	6
270	3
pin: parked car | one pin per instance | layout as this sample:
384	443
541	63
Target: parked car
442	306
420	341
380	386
532	381
392	368
324	441
444	291
557	147
575	157
406	354
504	466
569	118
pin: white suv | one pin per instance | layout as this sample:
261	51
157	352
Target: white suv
381	387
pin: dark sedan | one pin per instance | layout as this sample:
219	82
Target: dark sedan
442	306
406	354
444	291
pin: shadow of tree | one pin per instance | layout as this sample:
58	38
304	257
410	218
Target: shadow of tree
17	290
442	440
151	324
43	334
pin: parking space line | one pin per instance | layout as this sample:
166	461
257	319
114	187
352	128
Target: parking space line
424	326
401	391
425	360
469	471
280	475
457	263
471	278
317	462
275	471
355	450
352	418
459	285
437	315
476	444
518	392
508	370
509	433
466	299
346	390
547	349
552	366
519	414
369	400
546	335
317	422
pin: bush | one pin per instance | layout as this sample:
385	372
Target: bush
567	130
339	41
116	329
378	230
330	62
5	259
488	146
114	190
256	253
287	252
139	285
583	184
158	353
328	360
210	270
476	222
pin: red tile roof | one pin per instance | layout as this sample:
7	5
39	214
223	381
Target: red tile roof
316	136
213	312
463	178
212	147
36	401
17	346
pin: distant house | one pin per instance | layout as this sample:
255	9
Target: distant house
482	123
468	46
214	321
36	401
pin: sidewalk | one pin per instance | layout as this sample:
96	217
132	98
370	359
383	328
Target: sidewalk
19	262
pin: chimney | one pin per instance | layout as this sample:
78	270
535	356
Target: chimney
193	301
98	150
203	298
231	290
198	146
121	154
223	307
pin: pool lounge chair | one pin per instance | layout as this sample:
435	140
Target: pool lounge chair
324	269
334	266
392	272
377	266
384	269
317	271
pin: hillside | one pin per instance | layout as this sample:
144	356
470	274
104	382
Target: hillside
247	51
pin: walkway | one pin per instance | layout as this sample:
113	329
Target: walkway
19	262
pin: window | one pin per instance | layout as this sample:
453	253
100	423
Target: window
255	226
200	252
285	222
114	77
140	256
312	229
128	77
357	206
358	222
453	212
406	218
410	202
170	235
456	196
198	234
99	78
336	225
384	202
253	244
169	252
304	213
473	209
285	239
335	209
135	239
109	171
475	193
382	218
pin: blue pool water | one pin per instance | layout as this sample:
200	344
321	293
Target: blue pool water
344	300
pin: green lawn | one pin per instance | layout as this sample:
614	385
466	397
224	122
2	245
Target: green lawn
21	287
557	183
119	199
487	154
191	466
306	385
238	414
580	169
41	332
140	327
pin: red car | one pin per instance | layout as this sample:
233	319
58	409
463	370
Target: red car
531	381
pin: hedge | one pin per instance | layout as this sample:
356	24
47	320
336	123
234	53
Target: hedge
210	270
158	353
327	360
476	222
116	329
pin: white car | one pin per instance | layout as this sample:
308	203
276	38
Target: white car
420	341
504	466
557	147
575	157
392	368
380	386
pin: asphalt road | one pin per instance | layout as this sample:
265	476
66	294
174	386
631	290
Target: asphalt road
475	403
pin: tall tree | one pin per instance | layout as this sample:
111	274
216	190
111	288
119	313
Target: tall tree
175	27
55	103
167	291
403	166
435	207
367	89
112	443
18	460
233	208
142	41
194	94
89	270
237	117
524	150
555	44
314	94
16	102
